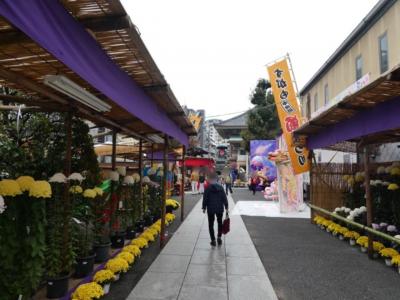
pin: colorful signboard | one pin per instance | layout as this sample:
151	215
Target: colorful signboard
288	112
259	161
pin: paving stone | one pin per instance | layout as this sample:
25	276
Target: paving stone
250	287
199	292
206	275
170	263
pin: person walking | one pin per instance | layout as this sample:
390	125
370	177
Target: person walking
202	178
254	181
228	184
214	202
194	178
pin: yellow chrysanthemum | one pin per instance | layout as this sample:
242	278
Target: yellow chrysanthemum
156	227
388	252
393	187
147	236
117	265
40	189
9	188
169	217
396	260
173	203
103	277
351	235
128	257
395	171
359	177
76	189
132	249
89	193
152	231
88	291
377	246
25	182
140	242
98	191
346	177
362	241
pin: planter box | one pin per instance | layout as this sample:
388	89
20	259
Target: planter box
57	287
102	252
106	288
388	262
363	249
84	266
352	242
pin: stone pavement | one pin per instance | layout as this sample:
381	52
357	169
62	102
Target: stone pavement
189	268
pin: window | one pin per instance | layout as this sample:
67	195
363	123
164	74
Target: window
359	65
383	53
326	94
315	102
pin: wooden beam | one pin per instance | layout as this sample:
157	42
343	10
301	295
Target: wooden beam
156	88
30	84
176	114
114	149
368	201
141	177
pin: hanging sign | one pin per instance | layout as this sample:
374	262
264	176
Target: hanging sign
288	112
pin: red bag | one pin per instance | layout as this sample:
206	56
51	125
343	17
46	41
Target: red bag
226	225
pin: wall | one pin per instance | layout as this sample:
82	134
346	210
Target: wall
343	73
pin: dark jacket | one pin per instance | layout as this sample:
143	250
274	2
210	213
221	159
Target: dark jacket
214	199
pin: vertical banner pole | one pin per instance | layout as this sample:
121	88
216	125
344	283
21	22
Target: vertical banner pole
164	191
183	184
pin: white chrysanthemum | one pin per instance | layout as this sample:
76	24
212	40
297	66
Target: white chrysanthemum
363	209
381	170
146	179
372	182
58	178
397	236
337	209
121	170
396	164
136	177
350	217
128	180
347	210
388	169
343	208
378	181
76	176
2	205
114	176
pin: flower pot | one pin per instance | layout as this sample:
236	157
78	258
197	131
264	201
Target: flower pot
84	266
169	209
334	233
375	255
139	226
328	230
118	240
117	276
364	249
352	242
57	287
130	233
388	262
106	288
102	252
341	237
398	269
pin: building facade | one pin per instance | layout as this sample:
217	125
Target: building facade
230	131
212	139
371	50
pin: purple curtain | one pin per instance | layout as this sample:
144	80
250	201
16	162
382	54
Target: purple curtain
382	117
51	26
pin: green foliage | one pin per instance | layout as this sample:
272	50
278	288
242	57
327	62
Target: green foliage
22	241
83	237
101	229
262	121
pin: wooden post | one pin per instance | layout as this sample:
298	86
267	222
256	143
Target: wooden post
164	194
141	177
183	171
152	154
114	149
66	198
368	201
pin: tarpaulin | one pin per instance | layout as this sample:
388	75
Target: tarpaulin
49	24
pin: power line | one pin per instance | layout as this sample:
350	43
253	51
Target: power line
233	113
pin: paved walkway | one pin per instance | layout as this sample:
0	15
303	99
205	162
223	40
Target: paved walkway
188	268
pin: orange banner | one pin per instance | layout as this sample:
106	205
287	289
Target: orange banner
289	113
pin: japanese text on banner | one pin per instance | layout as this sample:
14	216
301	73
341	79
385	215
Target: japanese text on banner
288	112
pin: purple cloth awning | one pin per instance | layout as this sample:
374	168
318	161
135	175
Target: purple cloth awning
159	155
49	24
382	117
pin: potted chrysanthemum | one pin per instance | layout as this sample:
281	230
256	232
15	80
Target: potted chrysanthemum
83	218
132	249
388	254
104	278
128	257
352	236
396	262
171	205
88	291
117	266
362	241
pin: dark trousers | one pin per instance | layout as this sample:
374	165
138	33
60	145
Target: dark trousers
228	187
253	187
211	218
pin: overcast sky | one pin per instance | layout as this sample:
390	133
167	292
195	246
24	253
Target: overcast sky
213	51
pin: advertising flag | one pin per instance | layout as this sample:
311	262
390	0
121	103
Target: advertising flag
288	112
